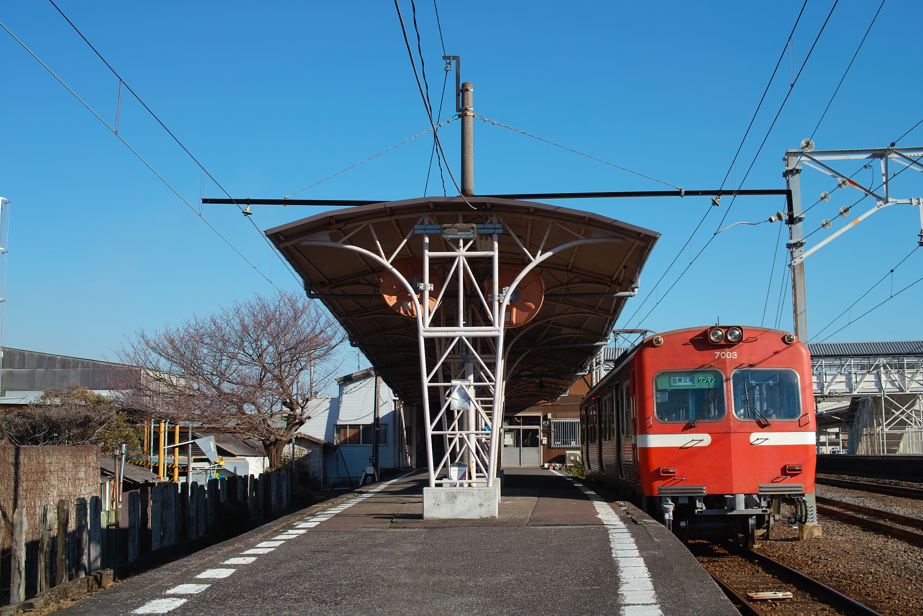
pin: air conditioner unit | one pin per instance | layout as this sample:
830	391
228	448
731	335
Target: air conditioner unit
571	458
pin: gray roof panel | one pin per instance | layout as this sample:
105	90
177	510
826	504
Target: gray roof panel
866	349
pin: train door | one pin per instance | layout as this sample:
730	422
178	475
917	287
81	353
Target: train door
607	421
619	428
627	420
522	442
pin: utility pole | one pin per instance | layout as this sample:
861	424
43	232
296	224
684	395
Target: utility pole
795	244
467	140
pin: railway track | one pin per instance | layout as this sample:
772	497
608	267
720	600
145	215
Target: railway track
878	488
759	585
892	524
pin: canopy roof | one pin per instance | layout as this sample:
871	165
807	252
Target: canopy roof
596	258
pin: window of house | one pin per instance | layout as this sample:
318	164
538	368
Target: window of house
565	433
355	434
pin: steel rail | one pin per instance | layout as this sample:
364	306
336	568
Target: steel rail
881	527
905	520
878	488
814	584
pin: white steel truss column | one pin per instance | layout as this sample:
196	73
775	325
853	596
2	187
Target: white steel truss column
461	341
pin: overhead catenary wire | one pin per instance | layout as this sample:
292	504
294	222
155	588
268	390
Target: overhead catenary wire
138	155
779	112
422	94
772	271
564	147
843	78
164	126
788	42
861	297
874	308
759	105
374	156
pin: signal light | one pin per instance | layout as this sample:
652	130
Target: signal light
789	338
667	471
716	335
792	469
657	341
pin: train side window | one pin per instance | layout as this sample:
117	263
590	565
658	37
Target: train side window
684	396
766	394
606	409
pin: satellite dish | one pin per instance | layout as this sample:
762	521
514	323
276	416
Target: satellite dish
397	296
807	145
527	296
207	445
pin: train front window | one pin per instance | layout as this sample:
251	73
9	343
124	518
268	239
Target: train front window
765	395
689	396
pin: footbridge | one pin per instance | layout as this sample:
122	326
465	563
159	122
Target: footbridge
471	307
869	396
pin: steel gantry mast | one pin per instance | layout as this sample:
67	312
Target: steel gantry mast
908	158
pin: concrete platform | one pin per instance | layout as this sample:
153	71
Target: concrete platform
555	548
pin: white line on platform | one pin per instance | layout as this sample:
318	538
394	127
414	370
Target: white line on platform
259	551
187	589
269	544
636	590
159	606
215	574
239	560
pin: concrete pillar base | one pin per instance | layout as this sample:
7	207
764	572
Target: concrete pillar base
809	531
460	503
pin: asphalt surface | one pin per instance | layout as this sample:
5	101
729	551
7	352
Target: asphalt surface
371	552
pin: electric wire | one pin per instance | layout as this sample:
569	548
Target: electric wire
772	272
342	171
439	24
894	143
169	132
861	297
874	308
141	158
778	113
772	77
843	78
564	147
788	42
432	155
428	113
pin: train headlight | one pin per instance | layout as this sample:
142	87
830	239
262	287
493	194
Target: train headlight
734	334
792	469
668	471
716	335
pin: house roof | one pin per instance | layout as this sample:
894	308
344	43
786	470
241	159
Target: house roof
545	355
866	349
133	472
233	446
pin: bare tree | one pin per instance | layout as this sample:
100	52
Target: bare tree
254	367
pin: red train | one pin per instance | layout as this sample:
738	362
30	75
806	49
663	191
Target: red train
708	429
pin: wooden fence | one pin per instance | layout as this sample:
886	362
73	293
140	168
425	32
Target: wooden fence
77	539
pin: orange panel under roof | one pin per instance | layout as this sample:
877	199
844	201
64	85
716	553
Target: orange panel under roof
396	294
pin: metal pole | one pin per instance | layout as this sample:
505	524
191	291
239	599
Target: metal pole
189	457
160	451
467	140
796	244
377	425
4	247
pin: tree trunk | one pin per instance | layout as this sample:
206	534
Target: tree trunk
274	449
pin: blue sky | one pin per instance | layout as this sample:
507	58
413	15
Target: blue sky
271	99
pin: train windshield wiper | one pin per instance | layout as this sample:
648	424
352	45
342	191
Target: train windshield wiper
760	418
709	404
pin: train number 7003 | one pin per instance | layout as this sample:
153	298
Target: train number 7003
726	354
